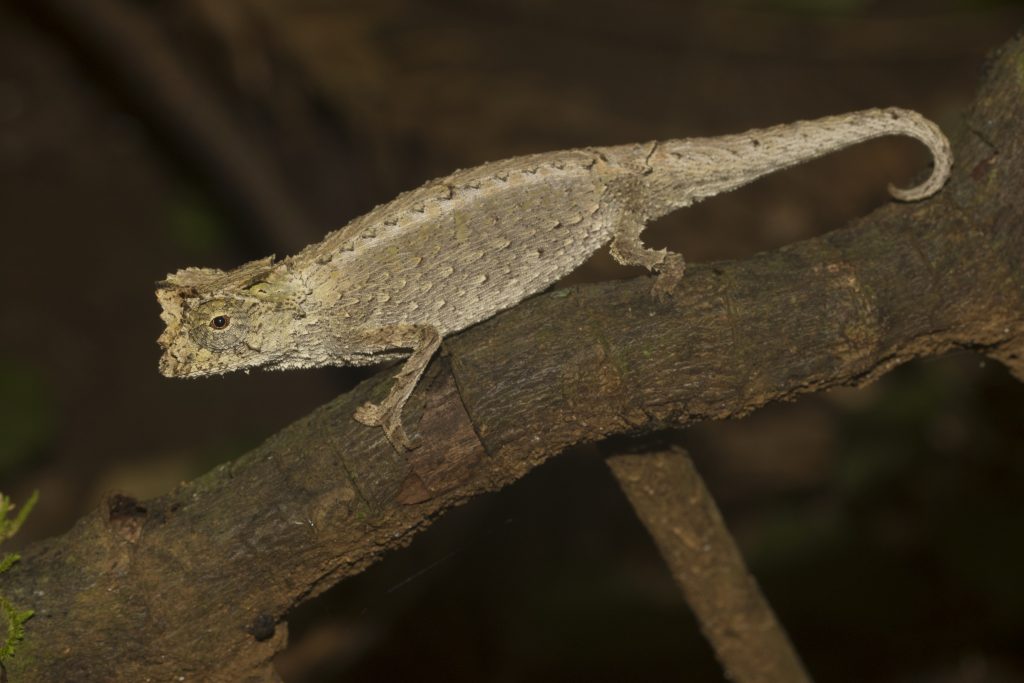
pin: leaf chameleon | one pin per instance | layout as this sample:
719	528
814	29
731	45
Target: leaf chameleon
394	282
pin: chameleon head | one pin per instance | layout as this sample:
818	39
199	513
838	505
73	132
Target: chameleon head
219	321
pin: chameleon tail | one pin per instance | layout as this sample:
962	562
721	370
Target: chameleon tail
681	172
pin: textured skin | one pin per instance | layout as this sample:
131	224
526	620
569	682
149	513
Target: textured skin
394	282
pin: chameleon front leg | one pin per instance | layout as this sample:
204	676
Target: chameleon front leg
424	341
629	250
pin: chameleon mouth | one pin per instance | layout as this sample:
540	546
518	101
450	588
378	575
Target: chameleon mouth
167	365
174	365
171	364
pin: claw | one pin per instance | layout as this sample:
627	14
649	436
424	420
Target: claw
667	280
664	286
377	415
368	414
395	432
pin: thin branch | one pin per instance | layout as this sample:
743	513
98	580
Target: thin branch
671	500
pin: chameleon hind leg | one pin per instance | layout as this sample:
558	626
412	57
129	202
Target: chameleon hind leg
629	250
424	341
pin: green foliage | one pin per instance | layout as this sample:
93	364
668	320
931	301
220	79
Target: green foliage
8	561
13	618
9	527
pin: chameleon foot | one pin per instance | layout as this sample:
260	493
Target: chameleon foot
627	249
390	420
670	273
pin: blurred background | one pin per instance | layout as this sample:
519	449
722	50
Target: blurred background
141	136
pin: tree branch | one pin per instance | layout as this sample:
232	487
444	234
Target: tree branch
671	500
198	583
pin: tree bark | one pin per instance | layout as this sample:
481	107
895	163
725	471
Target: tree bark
197	584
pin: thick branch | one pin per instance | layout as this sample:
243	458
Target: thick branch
191	583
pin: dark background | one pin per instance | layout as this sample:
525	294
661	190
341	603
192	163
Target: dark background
137	137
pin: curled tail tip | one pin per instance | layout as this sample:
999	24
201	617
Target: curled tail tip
911	194
934	183
918	192
930	135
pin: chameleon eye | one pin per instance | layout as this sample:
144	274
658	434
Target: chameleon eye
218	325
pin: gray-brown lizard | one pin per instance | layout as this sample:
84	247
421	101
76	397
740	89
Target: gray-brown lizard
392	283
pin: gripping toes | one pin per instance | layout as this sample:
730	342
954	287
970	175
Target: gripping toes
390	420
670	273
627	249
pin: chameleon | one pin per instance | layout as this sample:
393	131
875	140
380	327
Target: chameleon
392	283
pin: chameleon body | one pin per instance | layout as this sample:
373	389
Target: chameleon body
395	281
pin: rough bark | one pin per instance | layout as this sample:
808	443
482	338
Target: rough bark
198	583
